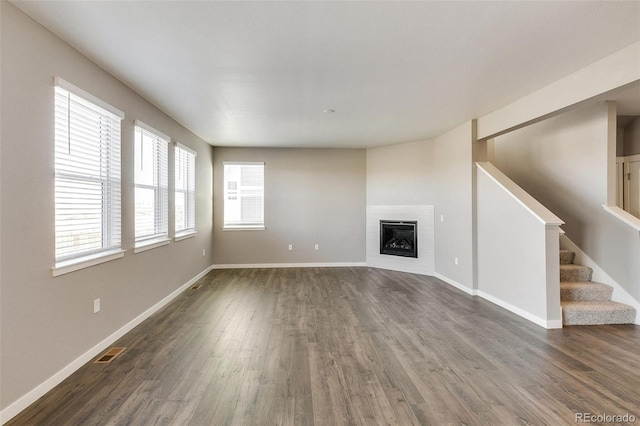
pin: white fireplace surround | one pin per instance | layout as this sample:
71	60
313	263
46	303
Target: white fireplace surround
425	262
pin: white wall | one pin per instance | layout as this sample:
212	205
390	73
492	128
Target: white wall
46	322
562	162
312	196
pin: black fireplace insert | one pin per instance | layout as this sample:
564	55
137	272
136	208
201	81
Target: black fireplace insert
399	238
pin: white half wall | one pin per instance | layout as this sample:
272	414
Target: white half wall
518	266
423	214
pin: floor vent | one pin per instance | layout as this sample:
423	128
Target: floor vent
109	355
196	286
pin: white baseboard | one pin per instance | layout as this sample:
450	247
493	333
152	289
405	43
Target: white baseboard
548	324
509	307
288	265
620	295
30	397
471	291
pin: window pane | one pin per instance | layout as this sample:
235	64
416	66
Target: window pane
151	178
244	194
87	177
185	187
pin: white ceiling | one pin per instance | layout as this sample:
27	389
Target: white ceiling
261	73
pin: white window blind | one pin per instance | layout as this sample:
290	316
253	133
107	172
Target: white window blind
185	190
151	185
87	174
244	195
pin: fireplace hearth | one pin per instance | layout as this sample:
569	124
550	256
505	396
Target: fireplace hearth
399	238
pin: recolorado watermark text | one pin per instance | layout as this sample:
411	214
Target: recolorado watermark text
605	418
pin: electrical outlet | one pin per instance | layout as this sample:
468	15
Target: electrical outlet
317	247
204	252
455	260
96	306
441	218
290	247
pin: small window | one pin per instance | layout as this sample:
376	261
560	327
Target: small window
87	177
151	185
244	195
185	190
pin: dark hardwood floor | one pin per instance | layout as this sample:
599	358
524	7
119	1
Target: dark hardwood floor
355	346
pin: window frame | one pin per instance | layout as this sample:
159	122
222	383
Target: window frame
159	143
229	225
88	123
183	157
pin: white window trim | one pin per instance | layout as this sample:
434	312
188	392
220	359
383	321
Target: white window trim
63	84
138	123
184	235
245	227
72	264
186	148
191	232
151	244
67	266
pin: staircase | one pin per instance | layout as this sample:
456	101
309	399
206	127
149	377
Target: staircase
585	302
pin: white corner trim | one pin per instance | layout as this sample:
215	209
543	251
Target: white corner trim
30	397
288	265
548	324
453	283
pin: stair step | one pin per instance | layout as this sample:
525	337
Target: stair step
571	291
567	257
575	273
597	313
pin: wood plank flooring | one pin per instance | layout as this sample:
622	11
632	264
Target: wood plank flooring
347	346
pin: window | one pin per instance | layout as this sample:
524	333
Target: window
151	185
185	195
87	177
244	195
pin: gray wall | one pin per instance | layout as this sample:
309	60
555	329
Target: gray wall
46	323
453	183
632	138
400	174
562	162
436	172
312	196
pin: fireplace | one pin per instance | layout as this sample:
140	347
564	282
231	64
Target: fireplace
399	238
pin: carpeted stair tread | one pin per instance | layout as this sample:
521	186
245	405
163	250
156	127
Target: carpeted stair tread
567	257
575	273
596	313
575	291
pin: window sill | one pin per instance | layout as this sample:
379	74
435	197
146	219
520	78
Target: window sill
72	265
184	236
244	228
149	245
